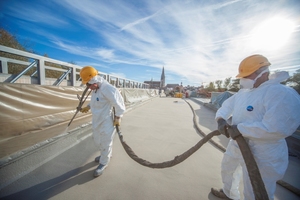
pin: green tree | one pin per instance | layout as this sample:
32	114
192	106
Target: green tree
294	81
219	85
10	40
211	87
227	82
234	86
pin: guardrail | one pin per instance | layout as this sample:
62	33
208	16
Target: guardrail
35	69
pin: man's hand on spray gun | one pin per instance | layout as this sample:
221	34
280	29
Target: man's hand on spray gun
227	130
85	109
117	121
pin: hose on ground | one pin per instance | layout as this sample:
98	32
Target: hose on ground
253	171
166	164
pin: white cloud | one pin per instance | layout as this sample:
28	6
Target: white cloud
199	42
196	40
105	54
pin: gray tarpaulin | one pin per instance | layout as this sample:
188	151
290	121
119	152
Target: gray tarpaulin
218	100
32	113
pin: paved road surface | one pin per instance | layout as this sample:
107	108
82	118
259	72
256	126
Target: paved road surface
157	131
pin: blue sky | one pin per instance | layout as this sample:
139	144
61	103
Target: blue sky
196	41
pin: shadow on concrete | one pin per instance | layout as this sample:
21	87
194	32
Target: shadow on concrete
52	187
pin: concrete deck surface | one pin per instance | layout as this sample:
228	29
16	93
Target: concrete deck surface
157	131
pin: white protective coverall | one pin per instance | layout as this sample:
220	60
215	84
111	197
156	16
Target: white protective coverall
102	101
265	116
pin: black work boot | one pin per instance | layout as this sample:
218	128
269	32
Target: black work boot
219	193
97	159
99	170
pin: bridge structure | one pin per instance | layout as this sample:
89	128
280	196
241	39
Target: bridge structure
39	95
66	74
42	158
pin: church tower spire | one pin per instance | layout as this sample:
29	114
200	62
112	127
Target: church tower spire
162	78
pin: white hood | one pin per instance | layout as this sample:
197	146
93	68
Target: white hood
278	77
96	79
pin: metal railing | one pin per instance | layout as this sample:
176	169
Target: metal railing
62	73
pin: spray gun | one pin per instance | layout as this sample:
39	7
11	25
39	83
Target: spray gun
81	102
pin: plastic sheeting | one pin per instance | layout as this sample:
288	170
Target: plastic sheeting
132	96
192	93
26	108
218	100
30	113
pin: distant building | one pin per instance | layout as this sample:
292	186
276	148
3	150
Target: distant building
162	83
173	86
157	84
153	84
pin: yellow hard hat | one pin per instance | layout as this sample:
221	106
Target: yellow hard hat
87	73
252	63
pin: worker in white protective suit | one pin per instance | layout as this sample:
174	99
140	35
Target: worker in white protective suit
265	112
104	98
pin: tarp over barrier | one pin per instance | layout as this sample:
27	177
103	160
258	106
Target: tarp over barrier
26	110
217	101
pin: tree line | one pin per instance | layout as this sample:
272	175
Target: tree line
232	85
10	40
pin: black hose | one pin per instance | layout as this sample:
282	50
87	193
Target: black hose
253	171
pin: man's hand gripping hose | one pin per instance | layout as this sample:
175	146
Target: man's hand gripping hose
257	183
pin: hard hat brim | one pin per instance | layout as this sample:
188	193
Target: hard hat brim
84	81
242	75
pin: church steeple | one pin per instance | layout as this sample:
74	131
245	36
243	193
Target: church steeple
162	78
